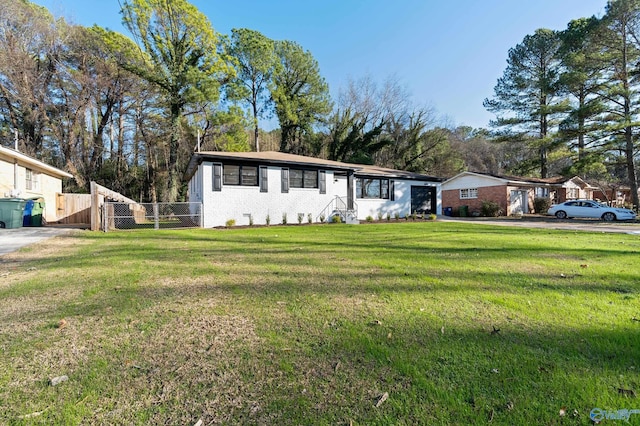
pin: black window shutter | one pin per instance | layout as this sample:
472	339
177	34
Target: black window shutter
217	177
392	190
285	180
322	181
264	183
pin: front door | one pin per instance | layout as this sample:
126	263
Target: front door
423	199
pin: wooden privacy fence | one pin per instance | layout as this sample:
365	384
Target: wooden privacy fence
73	209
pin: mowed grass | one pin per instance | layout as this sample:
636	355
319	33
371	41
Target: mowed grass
316	324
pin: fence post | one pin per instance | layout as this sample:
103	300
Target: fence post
104	218
95	207
156	220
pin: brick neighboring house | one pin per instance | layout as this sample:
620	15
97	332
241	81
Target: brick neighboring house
562	189
515	195
614	195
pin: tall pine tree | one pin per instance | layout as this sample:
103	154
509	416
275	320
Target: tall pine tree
619	42
525	99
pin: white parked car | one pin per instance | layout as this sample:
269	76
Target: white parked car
590	209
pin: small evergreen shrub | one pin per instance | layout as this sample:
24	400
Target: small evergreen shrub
388	217
322	218
369	218
268	220
300	218
310	218
491	209
541	204
397	216
284	218
379	215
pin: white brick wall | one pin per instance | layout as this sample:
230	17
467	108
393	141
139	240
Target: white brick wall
240	202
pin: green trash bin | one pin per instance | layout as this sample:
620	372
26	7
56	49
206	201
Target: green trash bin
11	210
37	211
464	211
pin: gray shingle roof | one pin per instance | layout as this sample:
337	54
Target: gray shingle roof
281	158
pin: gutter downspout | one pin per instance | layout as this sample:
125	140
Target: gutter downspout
15	163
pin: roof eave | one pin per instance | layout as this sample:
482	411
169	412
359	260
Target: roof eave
17	155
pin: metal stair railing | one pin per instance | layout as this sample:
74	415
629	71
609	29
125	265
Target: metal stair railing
338	205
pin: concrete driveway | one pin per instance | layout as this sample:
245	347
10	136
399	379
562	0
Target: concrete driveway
15	238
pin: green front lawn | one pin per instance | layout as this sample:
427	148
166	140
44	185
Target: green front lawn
317	324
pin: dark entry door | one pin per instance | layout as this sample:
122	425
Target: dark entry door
423	199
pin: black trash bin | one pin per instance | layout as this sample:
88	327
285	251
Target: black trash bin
448	211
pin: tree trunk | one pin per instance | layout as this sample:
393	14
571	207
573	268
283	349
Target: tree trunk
581	124
173	184
286	138
631	167
98	143
256	131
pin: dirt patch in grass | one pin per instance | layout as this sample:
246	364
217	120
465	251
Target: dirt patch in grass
172	364
186	369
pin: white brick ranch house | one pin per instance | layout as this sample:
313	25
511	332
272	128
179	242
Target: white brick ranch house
253	186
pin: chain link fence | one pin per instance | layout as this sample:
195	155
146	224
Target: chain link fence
124	216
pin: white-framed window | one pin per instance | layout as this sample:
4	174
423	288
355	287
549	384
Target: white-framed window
32	180
542	192
573	193
468	193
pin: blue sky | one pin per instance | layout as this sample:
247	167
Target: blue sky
448	54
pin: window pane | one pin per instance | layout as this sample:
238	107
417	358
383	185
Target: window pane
231	175
469	193
295	178
28	180
359	188
310	179
249	176
371	188
385	188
